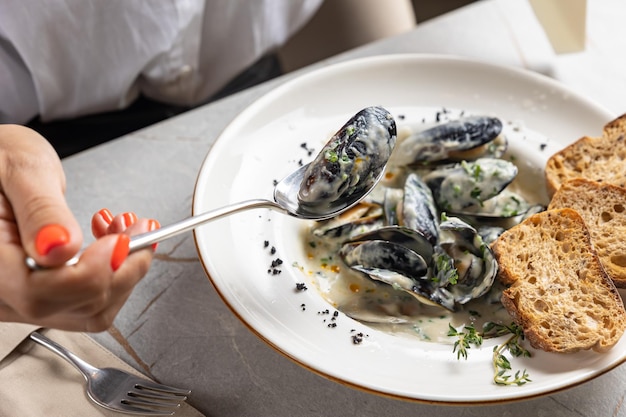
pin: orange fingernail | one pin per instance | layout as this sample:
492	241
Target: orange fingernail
106	215
153	225
120	252
129	219
50	237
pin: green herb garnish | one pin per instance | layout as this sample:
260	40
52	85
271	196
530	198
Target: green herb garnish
466	337
501	365
445	269
331	156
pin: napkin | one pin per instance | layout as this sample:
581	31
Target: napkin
36	382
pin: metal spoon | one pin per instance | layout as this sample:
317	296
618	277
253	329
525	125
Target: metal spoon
285	201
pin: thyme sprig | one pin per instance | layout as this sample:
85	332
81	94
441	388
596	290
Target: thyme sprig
501	365
465	338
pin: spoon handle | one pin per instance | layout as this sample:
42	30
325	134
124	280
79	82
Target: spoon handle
144	240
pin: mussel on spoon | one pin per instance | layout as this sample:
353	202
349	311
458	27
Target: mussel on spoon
342	174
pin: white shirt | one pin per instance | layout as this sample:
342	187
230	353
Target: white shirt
66	58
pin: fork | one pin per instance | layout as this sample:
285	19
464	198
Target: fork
118	390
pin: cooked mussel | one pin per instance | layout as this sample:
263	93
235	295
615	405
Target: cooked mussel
452	140
400	235
418	208
351	161
475	264
399	257
504	205
356	220
459	186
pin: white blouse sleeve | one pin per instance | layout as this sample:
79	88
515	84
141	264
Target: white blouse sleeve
63	58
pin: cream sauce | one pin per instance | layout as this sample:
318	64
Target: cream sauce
383	307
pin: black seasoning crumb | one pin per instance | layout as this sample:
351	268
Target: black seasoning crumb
401	116
423	120
462	113
358	337
277	262
332	325
335	314
276	271
300	163
300	286
438	116
273	250
266	243
303	307
308	150
275	182
543	146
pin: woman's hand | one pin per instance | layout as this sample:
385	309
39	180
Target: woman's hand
35	221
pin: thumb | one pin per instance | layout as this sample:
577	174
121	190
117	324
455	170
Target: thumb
32	179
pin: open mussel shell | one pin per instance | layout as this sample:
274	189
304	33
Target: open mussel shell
418	208
411	239
356	220
494	149
400	257
448	140
385	261
413	207
351	162
505	205
467	184
398	266
475	263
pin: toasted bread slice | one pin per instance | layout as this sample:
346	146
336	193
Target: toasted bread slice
557	289
603	207
601	159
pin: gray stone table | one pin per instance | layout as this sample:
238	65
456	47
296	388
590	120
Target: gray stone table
176	328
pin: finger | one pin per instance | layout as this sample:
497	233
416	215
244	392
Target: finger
32	179
83	297
129	223
122	222
125	278
100	222
36	295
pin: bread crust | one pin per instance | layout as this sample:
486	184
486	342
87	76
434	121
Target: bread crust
603	208
558	291
601	159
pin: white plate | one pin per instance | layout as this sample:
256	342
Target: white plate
263	144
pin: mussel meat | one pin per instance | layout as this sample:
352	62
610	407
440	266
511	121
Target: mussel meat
351	161
459	186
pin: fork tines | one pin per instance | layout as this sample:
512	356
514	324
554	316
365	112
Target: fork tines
154	399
